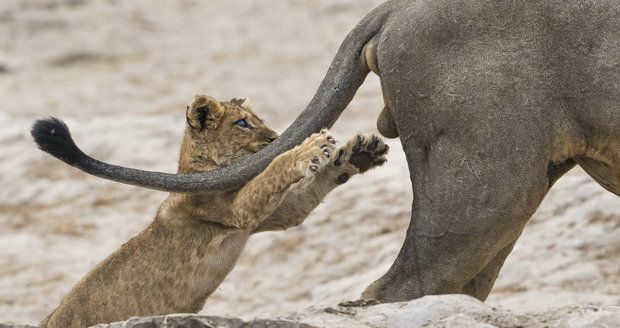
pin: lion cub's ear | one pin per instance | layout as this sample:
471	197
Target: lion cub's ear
204	112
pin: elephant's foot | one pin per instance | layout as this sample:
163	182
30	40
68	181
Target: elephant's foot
396	288
384	291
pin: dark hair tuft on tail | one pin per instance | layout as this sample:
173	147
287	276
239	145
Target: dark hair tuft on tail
52	136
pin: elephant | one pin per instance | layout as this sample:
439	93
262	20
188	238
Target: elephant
493	101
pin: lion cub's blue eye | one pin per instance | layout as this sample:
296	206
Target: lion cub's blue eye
242	123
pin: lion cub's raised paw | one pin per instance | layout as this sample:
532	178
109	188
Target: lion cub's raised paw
314	153
363	152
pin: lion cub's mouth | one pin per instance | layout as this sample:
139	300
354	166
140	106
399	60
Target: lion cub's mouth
263	145
255	147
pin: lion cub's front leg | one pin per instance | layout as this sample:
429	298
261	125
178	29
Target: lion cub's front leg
358	155
298	166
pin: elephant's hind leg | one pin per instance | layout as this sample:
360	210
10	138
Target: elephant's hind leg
480	287
470	205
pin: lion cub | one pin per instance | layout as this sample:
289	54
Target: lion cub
195	239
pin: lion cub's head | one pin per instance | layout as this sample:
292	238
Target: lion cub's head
218	133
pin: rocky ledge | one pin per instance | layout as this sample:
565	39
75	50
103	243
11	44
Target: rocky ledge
444	311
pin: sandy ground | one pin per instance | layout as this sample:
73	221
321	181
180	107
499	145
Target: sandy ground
121	72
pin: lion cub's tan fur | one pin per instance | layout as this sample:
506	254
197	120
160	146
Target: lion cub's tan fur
195	239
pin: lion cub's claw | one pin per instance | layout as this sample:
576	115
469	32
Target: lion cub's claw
315	164
315	152
326	151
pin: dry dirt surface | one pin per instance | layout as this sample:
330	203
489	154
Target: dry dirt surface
121	72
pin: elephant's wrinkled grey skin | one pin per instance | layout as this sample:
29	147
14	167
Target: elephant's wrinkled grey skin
493	101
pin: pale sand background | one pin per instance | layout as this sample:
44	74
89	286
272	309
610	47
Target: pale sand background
121	72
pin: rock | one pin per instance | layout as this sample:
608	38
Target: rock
201	321
439	311
429	311
581	316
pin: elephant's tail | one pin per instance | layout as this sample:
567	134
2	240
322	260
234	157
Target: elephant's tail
346	73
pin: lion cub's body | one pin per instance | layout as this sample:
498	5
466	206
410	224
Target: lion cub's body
195	239
174	267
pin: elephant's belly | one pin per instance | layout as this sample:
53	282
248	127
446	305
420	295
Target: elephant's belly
605	169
